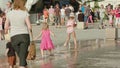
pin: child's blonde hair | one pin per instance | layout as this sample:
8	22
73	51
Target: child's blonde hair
45	26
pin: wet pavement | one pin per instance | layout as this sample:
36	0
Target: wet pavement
89	54
93	51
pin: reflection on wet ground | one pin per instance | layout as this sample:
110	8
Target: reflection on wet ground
89	54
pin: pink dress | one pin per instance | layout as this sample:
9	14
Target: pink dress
70	23
46	42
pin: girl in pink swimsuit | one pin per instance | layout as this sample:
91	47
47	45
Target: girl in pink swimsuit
70	30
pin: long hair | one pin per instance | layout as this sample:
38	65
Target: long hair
19	4
45	26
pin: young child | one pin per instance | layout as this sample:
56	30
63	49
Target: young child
10	53
46	42
70	30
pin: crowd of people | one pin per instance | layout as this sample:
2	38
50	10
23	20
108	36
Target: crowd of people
104	15
58	15
15	19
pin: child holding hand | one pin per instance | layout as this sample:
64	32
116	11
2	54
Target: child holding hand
46	42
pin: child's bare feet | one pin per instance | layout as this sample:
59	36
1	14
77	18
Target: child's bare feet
65	44
75	46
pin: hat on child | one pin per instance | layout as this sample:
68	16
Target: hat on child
72	14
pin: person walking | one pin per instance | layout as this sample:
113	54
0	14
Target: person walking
17	20
70	30
9	7
3	24
102	15
86	16
46	42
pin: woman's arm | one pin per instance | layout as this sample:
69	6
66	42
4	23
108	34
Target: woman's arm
52	33
27	21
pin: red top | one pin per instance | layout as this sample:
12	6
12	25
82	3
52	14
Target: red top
117	13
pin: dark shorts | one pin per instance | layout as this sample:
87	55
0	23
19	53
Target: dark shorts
20	44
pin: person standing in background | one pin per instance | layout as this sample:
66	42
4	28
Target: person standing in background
57	15
102	15
3	23
86	16
9	7
45	13
51	14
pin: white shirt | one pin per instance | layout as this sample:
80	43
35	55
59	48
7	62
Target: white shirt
102	13
62	11
17	22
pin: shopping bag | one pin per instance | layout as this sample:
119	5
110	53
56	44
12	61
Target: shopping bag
31	49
